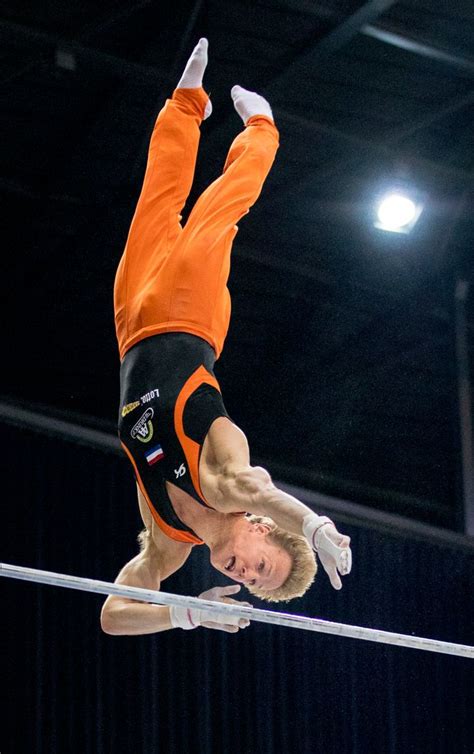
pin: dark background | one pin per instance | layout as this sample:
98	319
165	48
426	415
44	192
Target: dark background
339	363
340	366
69	688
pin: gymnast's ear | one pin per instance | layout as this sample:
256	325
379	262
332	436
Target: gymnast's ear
259	528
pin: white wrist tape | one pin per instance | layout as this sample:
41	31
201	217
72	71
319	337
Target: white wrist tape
184	617
187	618
312	524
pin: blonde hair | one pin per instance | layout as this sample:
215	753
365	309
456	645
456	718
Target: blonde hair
303	563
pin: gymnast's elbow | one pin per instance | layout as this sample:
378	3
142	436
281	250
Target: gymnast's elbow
110	621
107	623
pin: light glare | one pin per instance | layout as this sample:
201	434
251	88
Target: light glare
396	211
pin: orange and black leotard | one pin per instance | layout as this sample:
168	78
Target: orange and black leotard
169	399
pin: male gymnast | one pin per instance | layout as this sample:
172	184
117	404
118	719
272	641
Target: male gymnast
194	480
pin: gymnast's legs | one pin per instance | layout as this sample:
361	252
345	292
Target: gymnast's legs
172	278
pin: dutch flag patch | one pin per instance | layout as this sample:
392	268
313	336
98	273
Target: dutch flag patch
154	454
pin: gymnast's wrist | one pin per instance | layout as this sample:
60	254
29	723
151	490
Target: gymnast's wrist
312	525
184	617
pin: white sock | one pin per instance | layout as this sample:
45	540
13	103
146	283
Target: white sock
249	103
194	71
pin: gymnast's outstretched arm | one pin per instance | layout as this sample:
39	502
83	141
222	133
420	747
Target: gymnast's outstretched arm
231	484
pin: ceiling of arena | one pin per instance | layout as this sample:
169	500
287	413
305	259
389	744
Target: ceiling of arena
340	364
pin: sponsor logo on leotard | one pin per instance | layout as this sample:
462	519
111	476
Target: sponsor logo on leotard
154	454
155	393
143	429
181	471
129	407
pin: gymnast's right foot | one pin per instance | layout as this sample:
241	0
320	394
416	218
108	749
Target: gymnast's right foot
194	71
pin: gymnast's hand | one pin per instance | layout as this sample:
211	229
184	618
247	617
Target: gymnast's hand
332	547
182	617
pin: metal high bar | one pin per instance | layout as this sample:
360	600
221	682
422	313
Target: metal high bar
251	613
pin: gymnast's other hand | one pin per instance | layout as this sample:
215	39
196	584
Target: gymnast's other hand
187	619
332	547
334	553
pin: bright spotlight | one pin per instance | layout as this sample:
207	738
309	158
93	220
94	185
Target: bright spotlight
397	213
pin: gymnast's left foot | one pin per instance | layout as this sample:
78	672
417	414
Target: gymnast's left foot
194	71
249	103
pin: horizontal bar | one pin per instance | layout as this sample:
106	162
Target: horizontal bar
251	613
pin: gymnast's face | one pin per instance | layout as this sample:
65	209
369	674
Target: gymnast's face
249	557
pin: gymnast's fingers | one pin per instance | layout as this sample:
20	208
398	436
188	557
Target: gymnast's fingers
331	571
230	601
224	591
221	627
